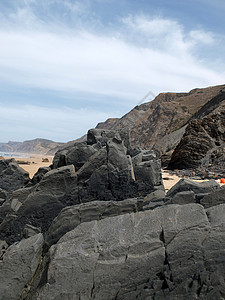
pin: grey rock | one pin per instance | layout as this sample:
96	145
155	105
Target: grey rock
141	255
182	198
30	230
18	266
169	142
216	215
70	217
189	185
108	175
40	206
12	177
3	194
214	198
154	199
76	155
3	247
39	174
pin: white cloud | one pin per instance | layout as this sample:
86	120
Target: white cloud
104	65
200	36
59	124
123	64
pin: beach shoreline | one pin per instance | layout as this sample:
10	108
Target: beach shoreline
31	162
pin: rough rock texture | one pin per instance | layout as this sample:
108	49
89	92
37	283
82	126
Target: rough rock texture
18	266
202	144
172	252
186	184
214	198
39	175
75	155
12	177
72	216
105	173
150	122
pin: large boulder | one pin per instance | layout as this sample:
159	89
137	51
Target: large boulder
18	266
166	253
38	205
214	198
12	177
75	155
199	188
72	216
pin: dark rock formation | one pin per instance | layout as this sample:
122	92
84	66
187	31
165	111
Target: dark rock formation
109	230
105	172
202	144
186	184
12	177
72	216
167	253
39	175
18	266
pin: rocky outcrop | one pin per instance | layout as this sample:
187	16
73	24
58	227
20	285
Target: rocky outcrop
167	253
102	170
150	122
202	144
72	216
18	265
12	177
98	225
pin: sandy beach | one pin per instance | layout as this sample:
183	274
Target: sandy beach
33	162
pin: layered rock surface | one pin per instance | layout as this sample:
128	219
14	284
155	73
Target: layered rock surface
202	144
98	225
167	253
105	171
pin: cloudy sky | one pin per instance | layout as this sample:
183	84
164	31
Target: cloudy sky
66	65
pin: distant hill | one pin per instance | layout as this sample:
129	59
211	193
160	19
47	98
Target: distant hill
158	124
37	146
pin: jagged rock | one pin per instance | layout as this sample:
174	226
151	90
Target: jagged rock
165	253
77	155
184	197
3	194
185	184
18	266
109	174
154	200
12	177
70	217
39	174
3	247
168	142
216	215
30	230
214	198
202	140
16	199
40	206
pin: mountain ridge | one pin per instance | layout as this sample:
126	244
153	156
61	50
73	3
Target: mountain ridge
148	123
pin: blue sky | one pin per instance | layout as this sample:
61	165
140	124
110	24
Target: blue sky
66	65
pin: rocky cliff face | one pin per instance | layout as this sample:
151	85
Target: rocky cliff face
202	144
168	112
98	225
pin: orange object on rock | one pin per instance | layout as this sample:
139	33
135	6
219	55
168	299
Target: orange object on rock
222	180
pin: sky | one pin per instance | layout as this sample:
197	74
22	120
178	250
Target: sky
66	65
